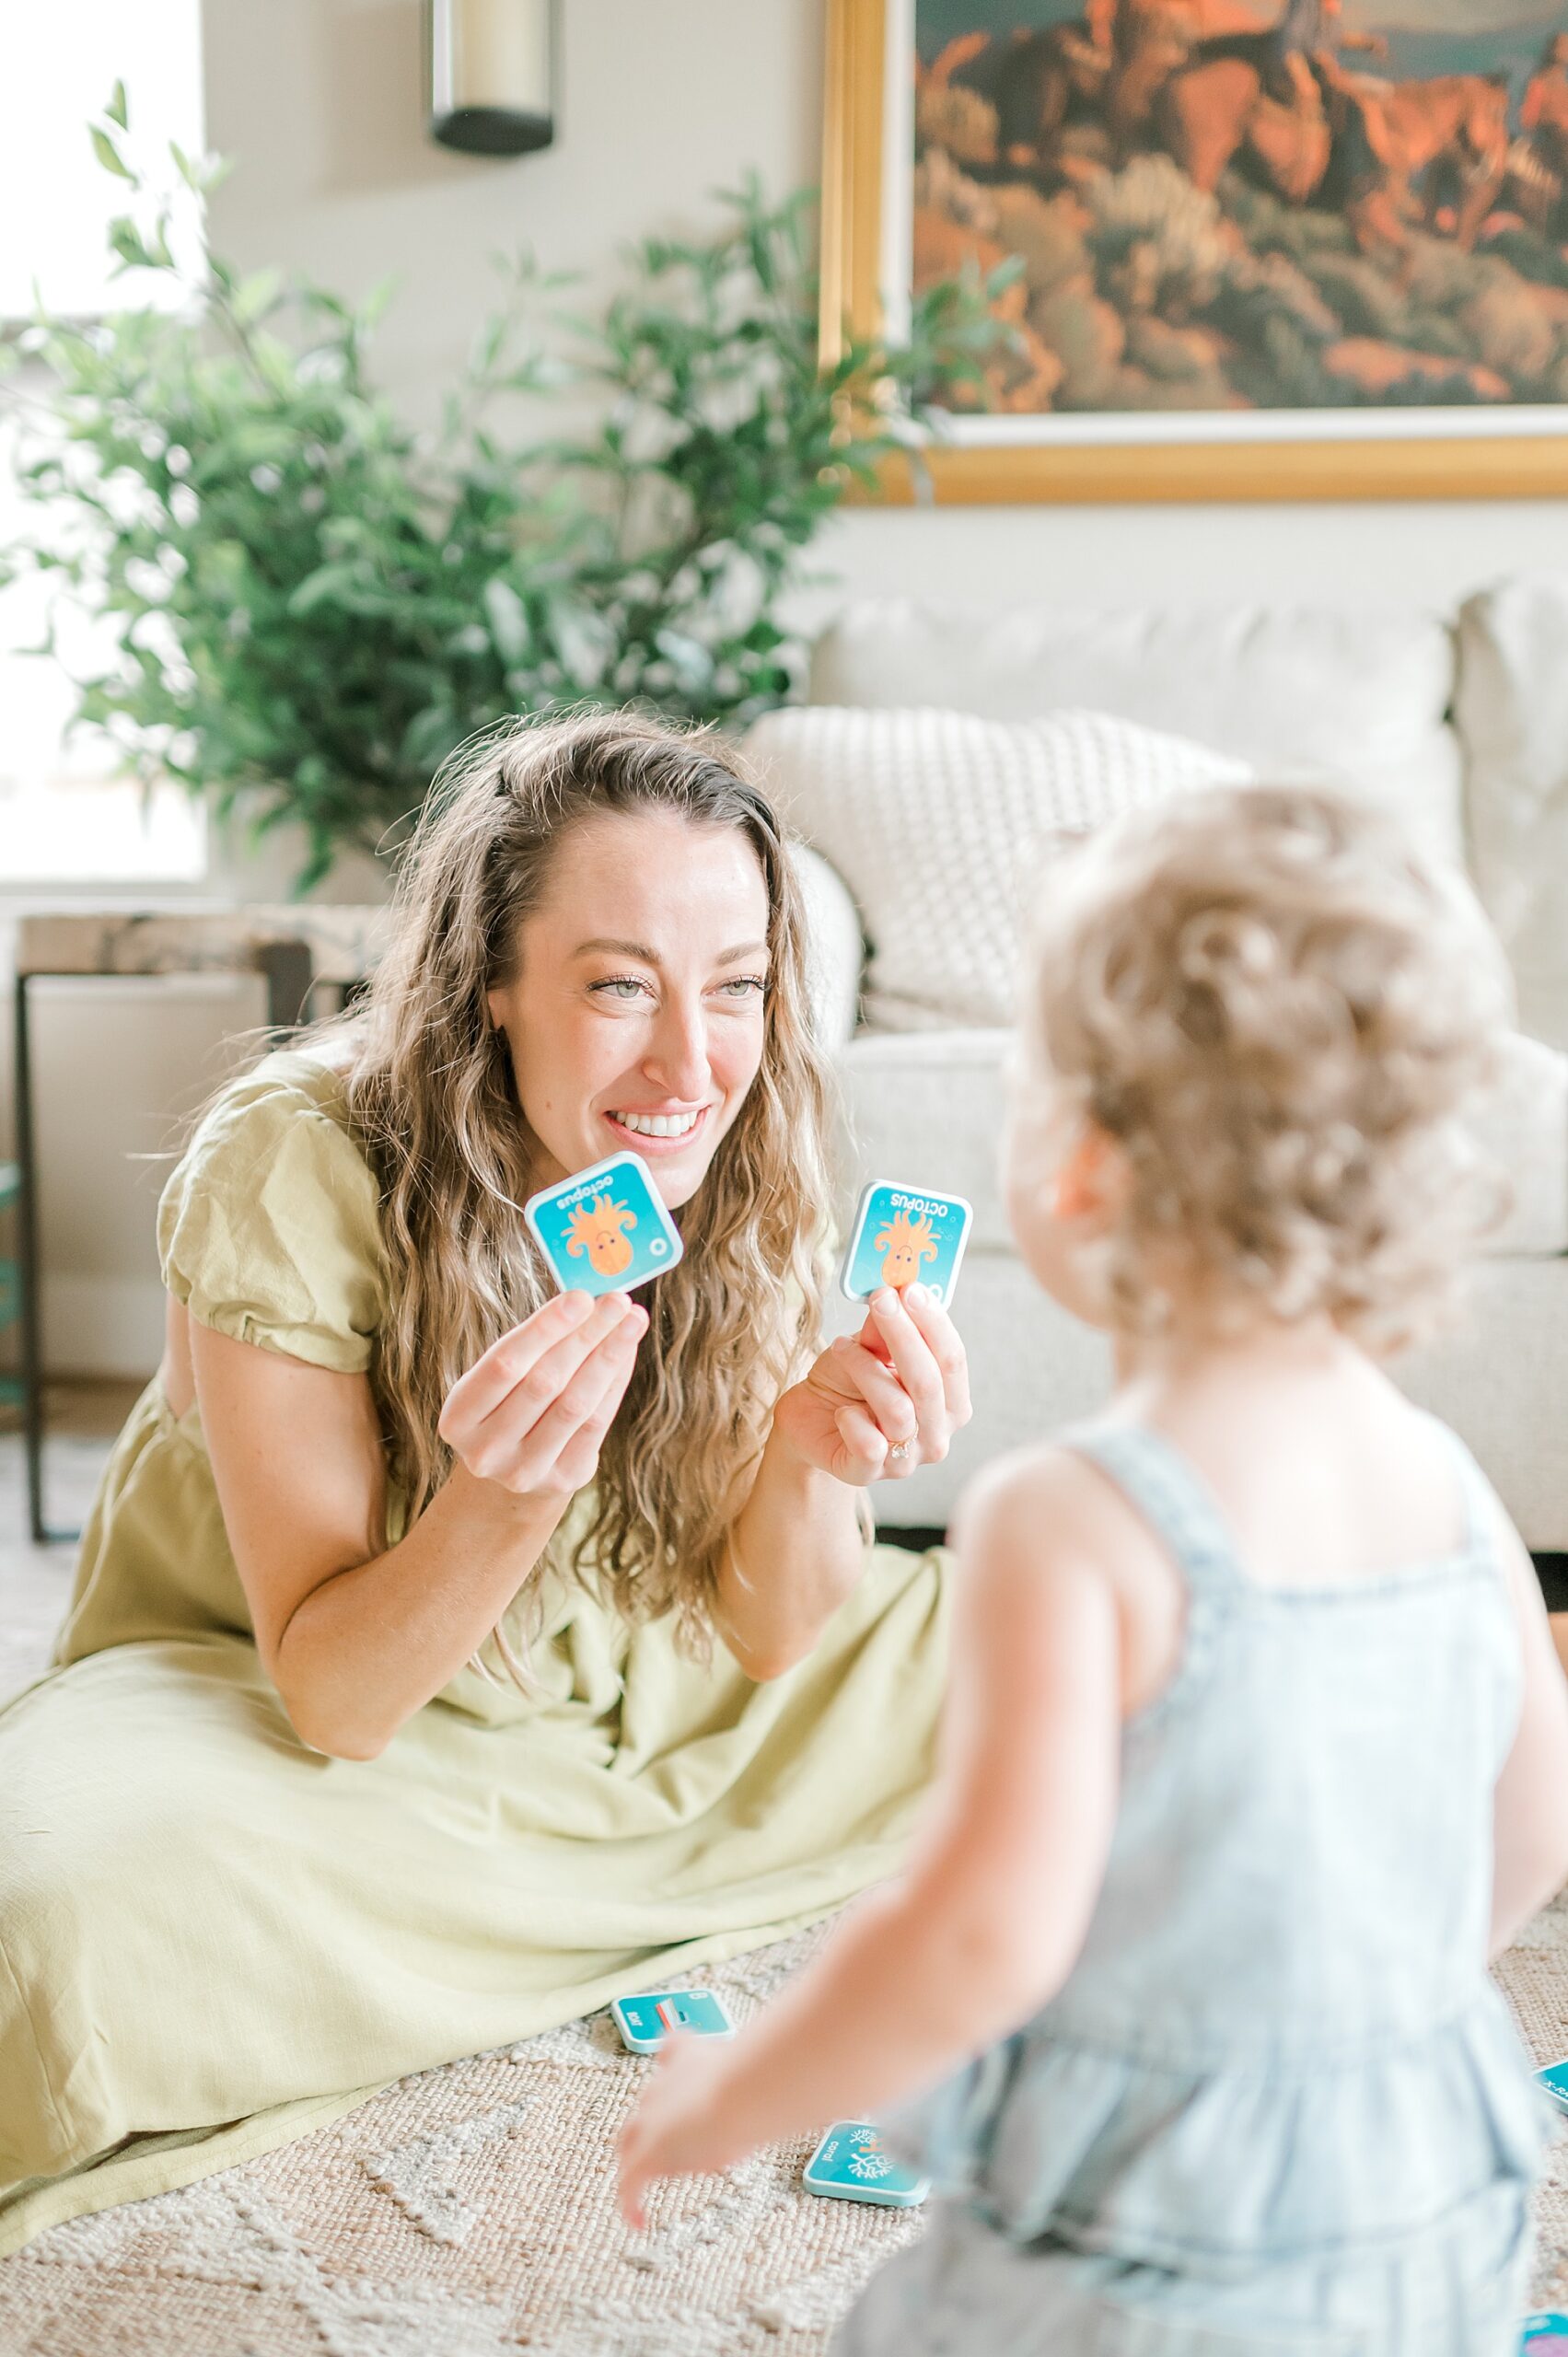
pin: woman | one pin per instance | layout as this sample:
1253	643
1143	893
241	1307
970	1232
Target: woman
448	1654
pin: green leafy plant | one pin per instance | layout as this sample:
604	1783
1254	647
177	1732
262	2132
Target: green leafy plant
313	604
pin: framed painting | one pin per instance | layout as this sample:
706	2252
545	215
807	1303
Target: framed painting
1265	248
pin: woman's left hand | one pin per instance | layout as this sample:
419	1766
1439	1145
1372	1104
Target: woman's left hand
880	1403
679	2129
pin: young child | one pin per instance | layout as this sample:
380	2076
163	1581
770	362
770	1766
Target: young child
1257	1747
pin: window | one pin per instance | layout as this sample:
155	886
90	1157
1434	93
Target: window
64	818
58	65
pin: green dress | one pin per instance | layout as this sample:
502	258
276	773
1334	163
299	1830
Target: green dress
212	1939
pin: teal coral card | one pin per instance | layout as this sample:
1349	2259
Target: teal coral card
1554	2079
644	2023
852	2164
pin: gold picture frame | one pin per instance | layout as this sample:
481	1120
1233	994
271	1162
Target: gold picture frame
1502	464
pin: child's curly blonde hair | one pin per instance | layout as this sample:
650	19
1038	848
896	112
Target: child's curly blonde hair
1282	1013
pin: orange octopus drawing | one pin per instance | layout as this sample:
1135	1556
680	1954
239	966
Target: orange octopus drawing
600	1232
906	1243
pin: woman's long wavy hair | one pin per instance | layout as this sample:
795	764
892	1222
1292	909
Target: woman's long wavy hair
431	1100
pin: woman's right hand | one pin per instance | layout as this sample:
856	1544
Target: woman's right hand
530	1416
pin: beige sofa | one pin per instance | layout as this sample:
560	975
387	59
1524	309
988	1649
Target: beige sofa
1460	724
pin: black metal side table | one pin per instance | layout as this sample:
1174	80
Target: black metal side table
296	948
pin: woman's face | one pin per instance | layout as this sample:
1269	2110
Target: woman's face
634	1016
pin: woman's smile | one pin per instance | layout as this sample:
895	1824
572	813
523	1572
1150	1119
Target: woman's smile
658	1131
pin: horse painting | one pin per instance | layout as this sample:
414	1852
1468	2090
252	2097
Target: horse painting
1253	203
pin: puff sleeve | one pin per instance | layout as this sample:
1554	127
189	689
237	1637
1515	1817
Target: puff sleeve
267	1229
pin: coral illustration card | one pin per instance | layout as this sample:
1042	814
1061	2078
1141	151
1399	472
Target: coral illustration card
905	1236
1554	2080
606	1230
852	2164
644	2023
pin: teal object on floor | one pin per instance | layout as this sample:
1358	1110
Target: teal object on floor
645	2022
852	2164
1554	2080
1544	2333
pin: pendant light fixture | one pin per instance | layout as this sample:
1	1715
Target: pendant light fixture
492	74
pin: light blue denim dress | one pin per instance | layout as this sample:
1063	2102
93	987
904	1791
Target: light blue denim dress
1278	2106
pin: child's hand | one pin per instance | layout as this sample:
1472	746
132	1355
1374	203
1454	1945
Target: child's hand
877	1404
679	2129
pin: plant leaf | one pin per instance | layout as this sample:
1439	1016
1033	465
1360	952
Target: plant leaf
109	155
508	620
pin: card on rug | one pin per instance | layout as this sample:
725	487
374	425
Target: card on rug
852	2164
644	2023
1554	2079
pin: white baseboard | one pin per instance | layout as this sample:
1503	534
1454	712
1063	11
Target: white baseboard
102	1325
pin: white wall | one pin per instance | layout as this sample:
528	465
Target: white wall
1384	553
662	102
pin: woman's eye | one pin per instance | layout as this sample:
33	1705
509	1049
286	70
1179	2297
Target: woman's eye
744	986
621	987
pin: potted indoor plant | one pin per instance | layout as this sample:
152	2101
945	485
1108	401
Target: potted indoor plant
313	604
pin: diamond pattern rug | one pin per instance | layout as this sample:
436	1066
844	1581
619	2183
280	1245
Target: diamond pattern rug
470	2212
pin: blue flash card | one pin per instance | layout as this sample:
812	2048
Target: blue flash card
905	1236
1554	2079
852	2164
606	1230
645	2022
1543	2333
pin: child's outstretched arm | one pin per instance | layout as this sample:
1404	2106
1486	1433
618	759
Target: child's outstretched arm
987	1922
1530	1812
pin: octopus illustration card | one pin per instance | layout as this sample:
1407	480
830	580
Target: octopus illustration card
1554	2079
1541	2333
645	2022
606	1230
852	2164
905	1236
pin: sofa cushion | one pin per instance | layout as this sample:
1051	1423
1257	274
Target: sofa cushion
928	1110
938	822
1511	710
834	950
1337	697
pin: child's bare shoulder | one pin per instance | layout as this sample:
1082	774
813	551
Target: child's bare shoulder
1043	1533
1043	1499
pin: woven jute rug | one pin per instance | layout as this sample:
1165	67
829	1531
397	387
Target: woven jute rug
466	2212
470	2212
1534	1976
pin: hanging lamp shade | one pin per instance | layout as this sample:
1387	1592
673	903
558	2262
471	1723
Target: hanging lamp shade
492	74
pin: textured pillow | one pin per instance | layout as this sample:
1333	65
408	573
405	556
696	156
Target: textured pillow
939	822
